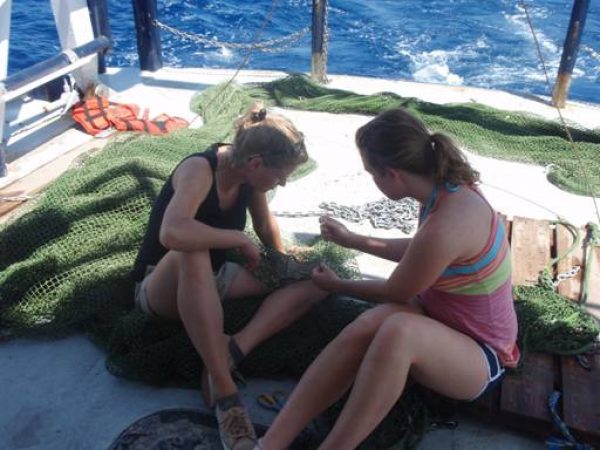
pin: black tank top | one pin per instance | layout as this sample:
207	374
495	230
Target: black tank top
209	213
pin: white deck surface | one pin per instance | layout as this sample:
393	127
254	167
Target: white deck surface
58	395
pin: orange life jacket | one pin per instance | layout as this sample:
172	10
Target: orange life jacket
91	114
97	114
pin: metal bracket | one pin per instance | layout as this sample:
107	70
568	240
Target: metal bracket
71	55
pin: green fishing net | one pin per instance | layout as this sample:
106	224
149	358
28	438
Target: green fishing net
550	323
481	129
65	262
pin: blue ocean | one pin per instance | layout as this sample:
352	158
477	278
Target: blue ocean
459	42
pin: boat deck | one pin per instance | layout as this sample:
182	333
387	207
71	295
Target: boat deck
59	395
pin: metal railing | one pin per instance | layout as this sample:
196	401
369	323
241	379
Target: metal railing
40	74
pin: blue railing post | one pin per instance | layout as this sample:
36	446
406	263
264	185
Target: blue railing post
570	49
99	17
148	38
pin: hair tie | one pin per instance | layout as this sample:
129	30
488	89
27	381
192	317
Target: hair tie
258	116
432	143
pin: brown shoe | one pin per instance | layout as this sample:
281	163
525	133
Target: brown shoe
235	356
235	428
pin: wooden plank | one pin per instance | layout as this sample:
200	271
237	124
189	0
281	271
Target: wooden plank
581	387
570	288
526	393
530	248
507	225
581	392
592	304
489	402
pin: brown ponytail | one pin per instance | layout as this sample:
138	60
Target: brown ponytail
450	162
395	138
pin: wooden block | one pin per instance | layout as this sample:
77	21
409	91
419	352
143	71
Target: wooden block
526	393
507	225
592	304
489	402
570	288
530	248
581	395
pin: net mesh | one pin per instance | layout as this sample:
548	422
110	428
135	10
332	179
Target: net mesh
478	128
65	262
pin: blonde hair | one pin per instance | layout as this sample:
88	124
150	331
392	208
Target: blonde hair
271	136
395	138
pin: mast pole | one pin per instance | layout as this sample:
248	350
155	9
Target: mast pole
569	55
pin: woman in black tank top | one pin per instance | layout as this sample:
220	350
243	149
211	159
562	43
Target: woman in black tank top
181	270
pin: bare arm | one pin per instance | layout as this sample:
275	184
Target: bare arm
424	260
264	223
391	249
179	230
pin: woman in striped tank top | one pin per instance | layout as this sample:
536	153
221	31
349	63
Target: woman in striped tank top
445	315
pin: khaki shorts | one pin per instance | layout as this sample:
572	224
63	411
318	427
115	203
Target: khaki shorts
223	278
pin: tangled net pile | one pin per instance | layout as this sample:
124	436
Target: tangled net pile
65	262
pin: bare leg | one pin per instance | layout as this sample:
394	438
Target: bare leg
280	309
438	357
183	286
329	376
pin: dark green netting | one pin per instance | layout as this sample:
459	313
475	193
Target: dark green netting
64	263
481	129
550	323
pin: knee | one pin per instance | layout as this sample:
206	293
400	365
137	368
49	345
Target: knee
195	265
396	332
363	329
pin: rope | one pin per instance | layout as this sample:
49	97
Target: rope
566	440
544	278
562	120
246	59
593	240
269	46
68	87
15	198
521	197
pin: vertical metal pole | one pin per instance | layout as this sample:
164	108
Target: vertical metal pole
569	55
99	17
148	37
5	10
320	40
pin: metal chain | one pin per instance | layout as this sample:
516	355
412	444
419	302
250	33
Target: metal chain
566	275
267	46
384	213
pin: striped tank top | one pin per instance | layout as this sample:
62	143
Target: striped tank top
474	296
